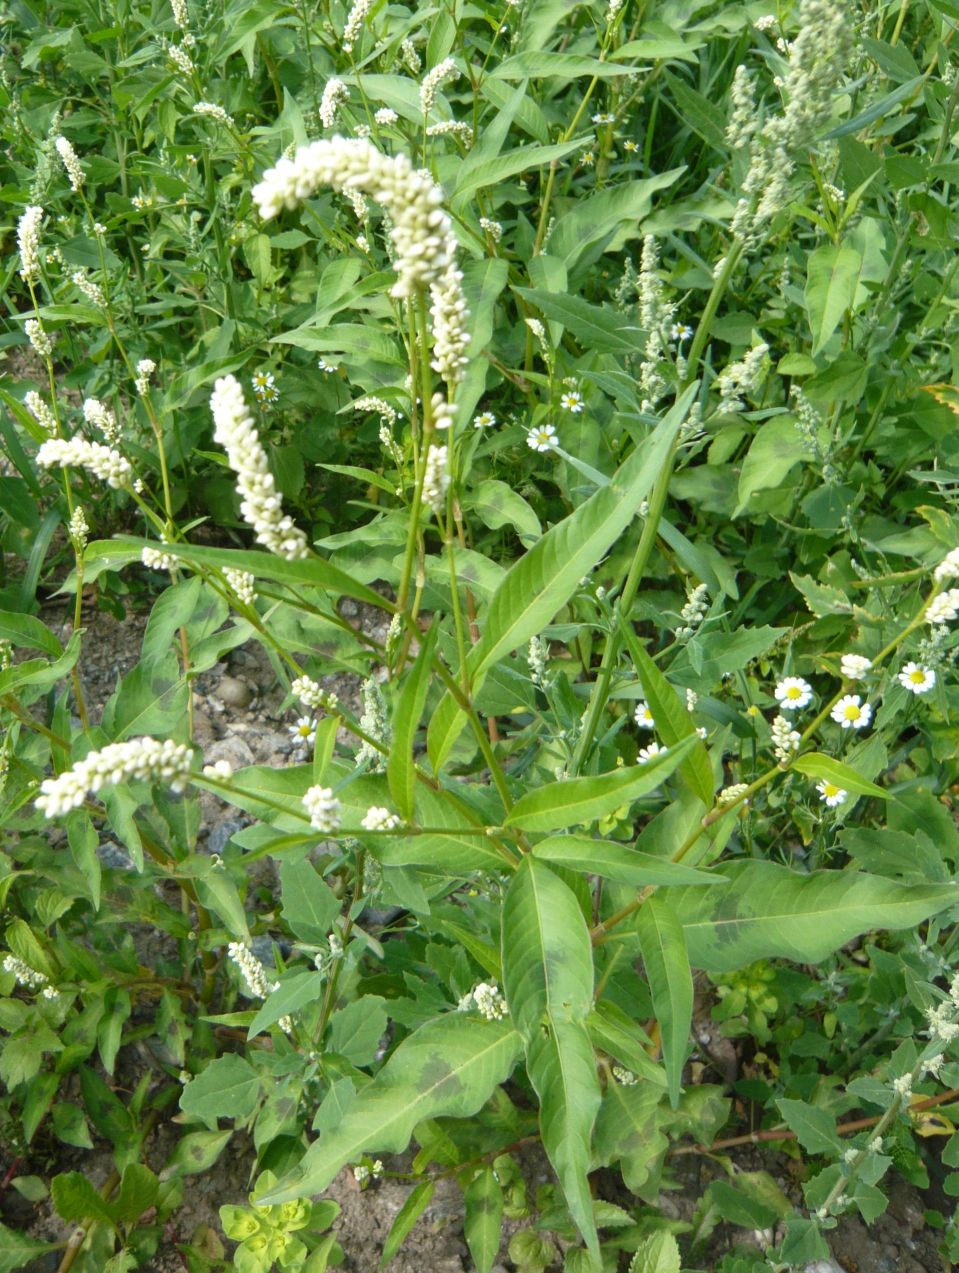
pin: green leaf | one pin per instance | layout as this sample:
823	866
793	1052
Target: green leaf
547	576
25	630
832	277
533	66
356	1030
18	1250
658	1253
737	1207
548	980
171	610
618	862
702	115
483	1222
491	172
416	1203
447	1068
70	1125
293	992
614	1031
497	504
196	1152
38	673
575	801
228	1088
607	220
673	724
309	904
663	947
138	1193
817	765
75	1198
771	911
400	767
815	1129
879	108
775	449
151	699
591	326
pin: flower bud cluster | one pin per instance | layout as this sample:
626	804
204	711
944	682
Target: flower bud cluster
323	808
40	340
450	315
421	231
212	111
744	118
157	559
104	462
433	81
436	479
371	403
693	612
260	504
308	692
258	984
374	722
101	417
139	759
377	818
944	607
242	583
79	529
354	23
487	1000
40	411
28	241
25	975
145	369
92	291
72	164
786	740
334	94
740	378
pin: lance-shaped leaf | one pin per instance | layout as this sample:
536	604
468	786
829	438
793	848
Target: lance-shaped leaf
543	580
484	1219
618	862
670	982
673	724
817	765
769	910
400	771
548	978
447	1068
575	801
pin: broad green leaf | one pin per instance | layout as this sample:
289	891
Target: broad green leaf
416	1203
628	1130
575	801
815	1129
292	993
171	610
548	979
400	770
490	172
151	699
39	674
591	326
313	571
352	341
879	108
497	504
356	1030
196	1152
673	724
775	449
138	1193
832	277
701	114
447	1068
658	1253
309	904
534	66
670	982
25	630
771	911
618	862
75	1198
228	1088
547	576
817	765
739	1207
18	1250
612	1030
607	220
483	1221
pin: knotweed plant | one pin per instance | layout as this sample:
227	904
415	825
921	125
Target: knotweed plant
561	404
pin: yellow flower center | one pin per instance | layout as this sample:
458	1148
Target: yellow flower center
917	677
830	790
794	692
851	712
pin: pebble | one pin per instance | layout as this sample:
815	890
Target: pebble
823	1266
233	692
219	836
233	749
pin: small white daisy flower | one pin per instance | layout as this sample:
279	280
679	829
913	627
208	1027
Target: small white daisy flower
851	712
855	666
485	420
587	159
542	438
643	716
917	679
831	794
572	402
792	693
630	147
304	731
604	117
652	751
680	332
326	366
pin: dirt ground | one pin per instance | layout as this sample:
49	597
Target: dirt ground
239	717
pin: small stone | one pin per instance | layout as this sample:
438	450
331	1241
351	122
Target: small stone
219	837
823	1266
349	609
233	749
233	692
